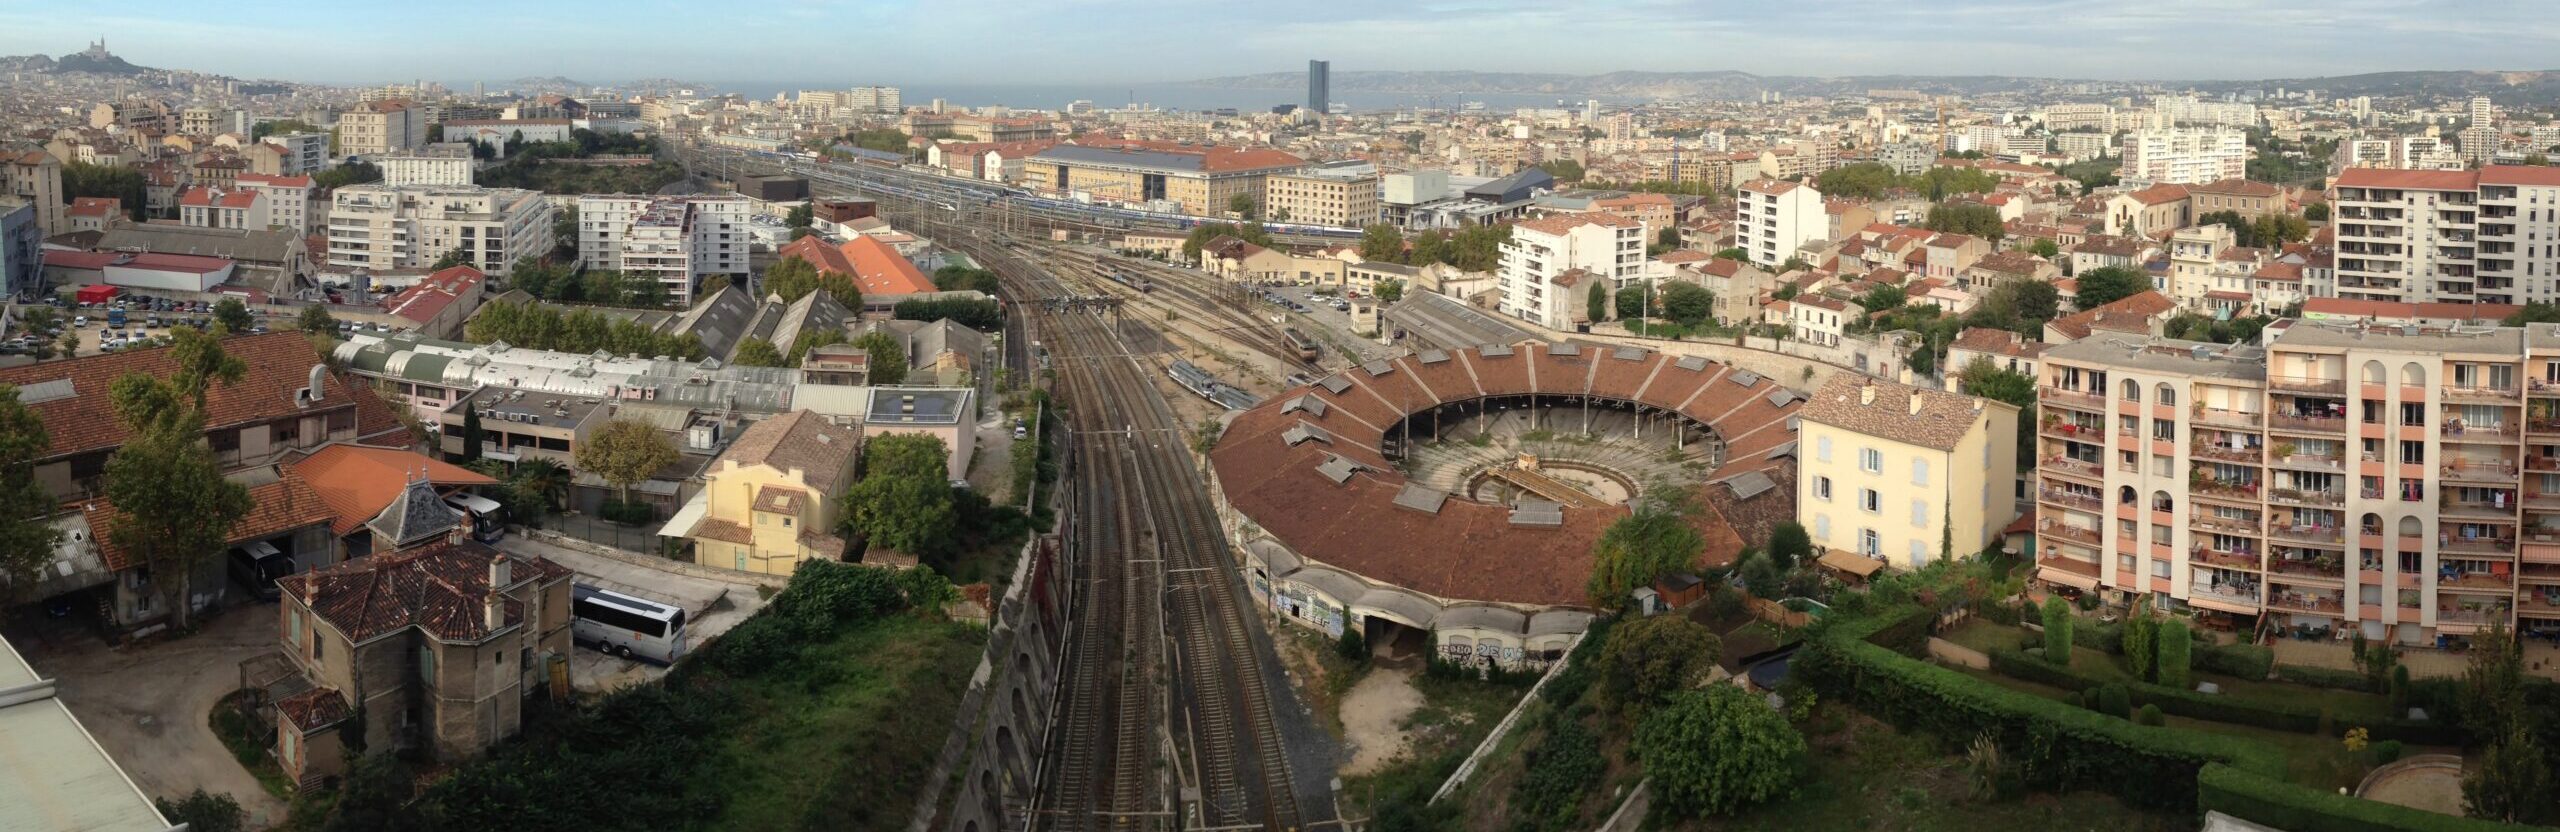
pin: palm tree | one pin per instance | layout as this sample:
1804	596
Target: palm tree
545	477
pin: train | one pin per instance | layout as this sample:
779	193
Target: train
1123	278
1207	386
1298	342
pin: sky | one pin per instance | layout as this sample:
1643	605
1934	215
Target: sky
1166	41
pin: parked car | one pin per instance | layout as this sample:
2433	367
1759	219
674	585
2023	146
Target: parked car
257	565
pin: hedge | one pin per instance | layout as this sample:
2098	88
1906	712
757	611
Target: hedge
2300	719
2059	746
2238	661
2273	802
2322	677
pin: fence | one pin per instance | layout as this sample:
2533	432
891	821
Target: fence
602	532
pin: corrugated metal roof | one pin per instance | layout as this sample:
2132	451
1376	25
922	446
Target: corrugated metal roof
1123	158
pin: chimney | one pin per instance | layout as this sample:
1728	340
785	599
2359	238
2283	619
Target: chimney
501	572
1867	393
1915	402
493	610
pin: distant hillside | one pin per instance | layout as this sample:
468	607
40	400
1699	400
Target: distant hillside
2507	87
103	65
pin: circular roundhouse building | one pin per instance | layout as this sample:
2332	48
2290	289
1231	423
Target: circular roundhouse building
1457	494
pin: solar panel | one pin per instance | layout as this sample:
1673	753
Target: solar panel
1497	351
1434	356
46	391
1418	498
1566	348
1334	384
1745	378
1537	513
1629	353
1691	363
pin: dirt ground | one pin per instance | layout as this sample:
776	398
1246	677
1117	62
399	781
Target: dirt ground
1373	716
148	705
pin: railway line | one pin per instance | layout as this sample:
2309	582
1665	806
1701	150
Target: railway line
1183	290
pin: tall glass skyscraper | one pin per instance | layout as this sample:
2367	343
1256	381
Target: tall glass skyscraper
1319	86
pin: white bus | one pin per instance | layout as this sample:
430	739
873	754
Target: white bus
626	626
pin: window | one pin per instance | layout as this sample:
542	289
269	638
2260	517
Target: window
2160	466
1822	488
2413	453
1919	553
1870	501
2159	569
1919	472
2413	414
2166	396
1871	460
1870	544
2164	429
1919	514
1822	526
1822	448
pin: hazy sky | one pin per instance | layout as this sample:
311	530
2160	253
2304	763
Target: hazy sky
1055	41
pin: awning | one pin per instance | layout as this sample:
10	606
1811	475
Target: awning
2066	577
681	525
1846	563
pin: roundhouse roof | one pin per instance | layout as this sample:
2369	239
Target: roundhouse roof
1279	464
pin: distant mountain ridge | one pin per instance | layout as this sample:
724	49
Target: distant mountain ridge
2508	87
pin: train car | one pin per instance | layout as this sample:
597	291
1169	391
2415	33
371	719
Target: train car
1298	341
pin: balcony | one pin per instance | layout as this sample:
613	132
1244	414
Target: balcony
2225	525
2330	425
2291	601
2052	530
2498	546
2475	580
2331	535
2331	463
2483	395
2496	433
2295	496
2069	467
2226	418
2476	615
2069	499
2224	453
2227	560
2539	387
2488	472
2476	509
2326	568
2094	434
2071	571
2301	384
2240	593
2072	398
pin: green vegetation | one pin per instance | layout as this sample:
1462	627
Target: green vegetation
203	812
26	542
624	452
965	279
888	356
1647	661
2269	230
1717	750
1652	541
903	501
2101	286
1966	218
264	129
811	715
250	740
1683	187
1564	170
532	165
2195	327
1202	234
177	508
885	140
81	179
546	327
980	314
2057	630
2287	161
757	352
791	278
2093	174
349	173
1873	180
1596	302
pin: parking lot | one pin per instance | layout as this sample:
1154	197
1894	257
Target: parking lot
145	321
1335	325
711	605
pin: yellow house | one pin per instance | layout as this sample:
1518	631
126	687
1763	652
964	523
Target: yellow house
1903	475
769	500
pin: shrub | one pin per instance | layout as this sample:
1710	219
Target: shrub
2106	636
1352	646
2149	715
2219	708
203	812
2399	690
2321	677
1718	749
2270	801
2141	641
2174	669
2115	702
2239	661
2057	631
1561	769
635	513
2386	751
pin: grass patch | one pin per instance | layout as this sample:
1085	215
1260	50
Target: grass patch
1984	636
249	741
1870	776
1456	715
847	742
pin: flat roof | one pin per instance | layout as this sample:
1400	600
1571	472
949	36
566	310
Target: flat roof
917	406
2167	356
53	774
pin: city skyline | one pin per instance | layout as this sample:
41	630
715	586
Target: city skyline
665	38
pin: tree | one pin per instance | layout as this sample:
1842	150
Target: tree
2057	630
1668	238
2274	229
1883	299
1382	242
2105	285
1967	218
201	811
2044	248
1390	290
544	480
1735	253
624	452
175	509
1763	577
903	501
1653	540
2493	686
1687	304
351	173
120	182
2141	641
264	129
2175	651
26	540
1596	301
757	352
316	320
809	340
1351	645
473	436
2316	212
2025	304
234	316
2534	312
801	217
888	356
1646	660
1716	750
456	257
1790	545
1985	379
201	362
1564	170
1241	205
2511	781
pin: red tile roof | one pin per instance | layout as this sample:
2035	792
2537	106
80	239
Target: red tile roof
315	708
2160	194
2417	180
358	481
272	179
2117	315
279	363
429	297
95	206
287	504
874	265
437	588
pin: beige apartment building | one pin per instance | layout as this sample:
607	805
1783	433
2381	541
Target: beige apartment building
1320	196
2418	236
2404	482
383	227
1903	475
375	128
1202	179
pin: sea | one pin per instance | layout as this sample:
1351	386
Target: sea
1160	96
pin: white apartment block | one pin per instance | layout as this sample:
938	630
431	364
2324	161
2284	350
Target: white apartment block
303	152
376	128
1548	264
1772	217
873	100
211	207
2082	147
2061	117
2488	236
676	241
292	201
2185	156
2186	109
427	168
378	227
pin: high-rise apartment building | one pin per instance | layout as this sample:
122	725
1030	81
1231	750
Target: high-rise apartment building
2456	236
1548	264
1344	196
35	176
296	154
441	165
380	127
2178	156
292	201
2387	480
378	227
873	100
674	240
1319	86
2061	117
1772	217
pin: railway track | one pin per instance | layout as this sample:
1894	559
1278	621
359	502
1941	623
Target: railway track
1182	290
1164	637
